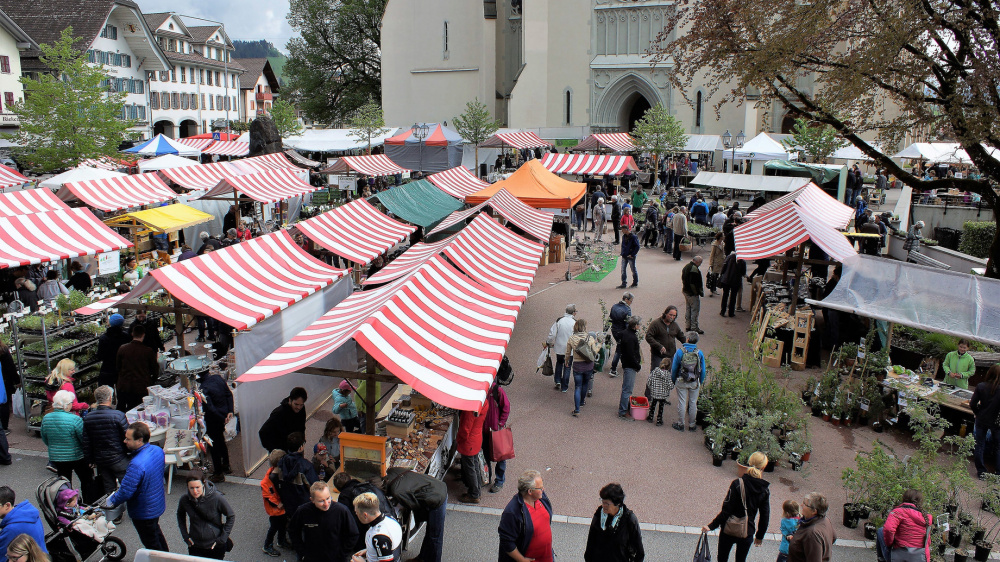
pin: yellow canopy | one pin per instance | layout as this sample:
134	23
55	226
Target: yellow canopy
169	218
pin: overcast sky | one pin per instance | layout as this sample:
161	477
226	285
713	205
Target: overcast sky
248	20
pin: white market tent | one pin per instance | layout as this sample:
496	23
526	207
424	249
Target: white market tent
958	304
166	161
703	143
774	184
851	152
160	145
83	173
943	152
331	140
761	148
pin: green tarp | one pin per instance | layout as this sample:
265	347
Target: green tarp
419	202
819	174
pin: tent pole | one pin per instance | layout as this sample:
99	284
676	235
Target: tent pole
371	396
798	277
236	211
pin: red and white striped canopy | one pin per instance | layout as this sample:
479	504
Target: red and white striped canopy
372	165
266	187
437	330
28	201
10	177
812	197
228	148
239	285
200	144
525	139
408	261
484	250
301	160
100	164
616	142
120	192
202	176
533	221
265	162
458	182
356	231
774	232
596	164
54	235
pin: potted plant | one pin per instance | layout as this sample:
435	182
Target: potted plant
982	538
872	525
809	391
715	437
848	355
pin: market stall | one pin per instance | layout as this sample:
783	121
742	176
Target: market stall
580	164
418	202
265	187
535	186
458	182
196	142
10	177
164	162
160	145
532	221
610	142
301	160
758	150
356	231
168	220
200	176
228	148
517	140
332	140
54	235
427	147
28	201
116	193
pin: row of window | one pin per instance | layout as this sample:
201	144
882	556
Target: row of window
165	100
179	46
210	78
110	32
134	111
109	58
127	85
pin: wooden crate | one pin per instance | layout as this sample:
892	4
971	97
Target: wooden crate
772	352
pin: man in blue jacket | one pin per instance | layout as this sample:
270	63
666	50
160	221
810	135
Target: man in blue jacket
22	518
688	374
630	249
142	488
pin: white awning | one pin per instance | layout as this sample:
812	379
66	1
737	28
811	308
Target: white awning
762	147
774	184
331	140
703	143
948	302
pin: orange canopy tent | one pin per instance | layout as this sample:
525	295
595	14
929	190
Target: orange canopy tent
535	186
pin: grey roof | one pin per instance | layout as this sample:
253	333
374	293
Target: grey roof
156	20
15	30
201	33
254	68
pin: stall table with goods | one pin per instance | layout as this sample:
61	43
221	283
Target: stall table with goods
908	384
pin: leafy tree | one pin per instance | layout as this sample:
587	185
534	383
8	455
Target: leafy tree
368	123
476	124
659	133
69	115
335	66
817	141
255	49
239	126
864	66
283	114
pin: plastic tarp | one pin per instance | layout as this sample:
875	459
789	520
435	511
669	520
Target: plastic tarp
166	161
703	143
819	173
944	152
170	218
851	152
329	140
774	184
418	202
82	173
441	150
535	186
760	148
922	297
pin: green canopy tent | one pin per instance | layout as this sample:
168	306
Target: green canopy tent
419	202
832	178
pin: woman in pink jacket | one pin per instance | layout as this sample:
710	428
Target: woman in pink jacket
61	378
906	535
496	419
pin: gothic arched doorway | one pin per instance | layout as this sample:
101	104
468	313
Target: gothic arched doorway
639	106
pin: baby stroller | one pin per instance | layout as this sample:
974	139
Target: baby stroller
66	544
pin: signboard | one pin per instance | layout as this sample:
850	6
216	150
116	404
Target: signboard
10	119
216	136
108	262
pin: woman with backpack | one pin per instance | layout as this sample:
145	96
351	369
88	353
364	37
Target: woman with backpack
584	349
747	497
985	403
906	535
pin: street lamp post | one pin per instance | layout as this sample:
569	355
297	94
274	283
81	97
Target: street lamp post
420	131
727	141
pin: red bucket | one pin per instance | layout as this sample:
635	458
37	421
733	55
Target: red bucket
639	406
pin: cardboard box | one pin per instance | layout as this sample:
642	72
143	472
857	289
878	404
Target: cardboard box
545	257
419	401
400	431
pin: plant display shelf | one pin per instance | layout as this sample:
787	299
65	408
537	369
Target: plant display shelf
56	355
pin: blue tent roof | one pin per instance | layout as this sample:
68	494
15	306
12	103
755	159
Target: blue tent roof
160	145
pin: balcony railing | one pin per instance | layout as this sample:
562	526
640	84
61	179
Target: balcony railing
264	96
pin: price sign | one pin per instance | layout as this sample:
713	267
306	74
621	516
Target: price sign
108	262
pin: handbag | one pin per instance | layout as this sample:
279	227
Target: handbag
483	469
701	551
17	404
547	369
737	526
501	444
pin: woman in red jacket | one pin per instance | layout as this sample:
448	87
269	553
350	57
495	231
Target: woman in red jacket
470	441
906	535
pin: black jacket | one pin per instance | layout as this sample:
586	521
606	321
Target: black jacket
758	501
11	378
206	528
419	493
282	422
323	536
985	405
104	436
107	353
619	316
622	543
631	355
691	281
733	272
292	477
219	399
729	237
355	488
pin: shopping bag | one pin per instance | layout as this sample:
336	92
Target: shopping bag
483	469
701	552
230	430
501	444
17	404
545	364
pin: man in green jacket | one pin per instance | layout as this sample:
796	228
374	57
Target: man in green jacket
959	366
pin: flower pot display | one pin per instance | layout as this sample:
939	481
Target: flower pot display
850	516
877	427
717	461
836	422
806	455
826	416
870	530
978	536
982	551
954	538
961	556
